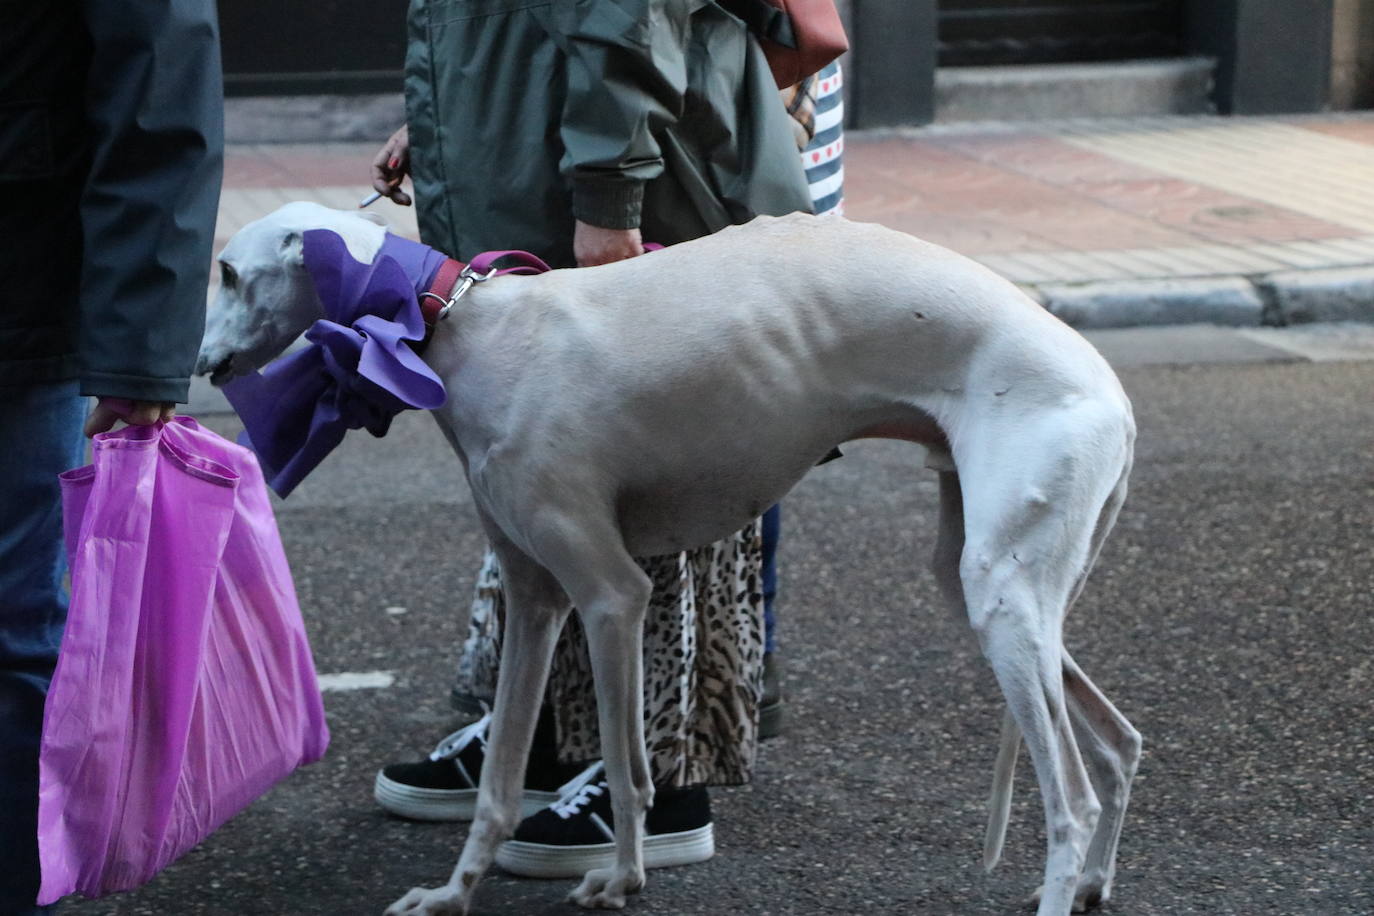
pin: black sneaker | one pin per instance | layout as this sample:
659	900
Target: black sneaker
577	833
444	787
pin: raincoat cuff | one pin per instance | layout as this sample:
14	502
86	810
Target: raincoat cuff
135	387
608	204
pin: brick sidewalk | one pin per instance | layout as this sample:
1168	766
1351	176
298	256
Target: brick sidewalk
1108	222
1173	197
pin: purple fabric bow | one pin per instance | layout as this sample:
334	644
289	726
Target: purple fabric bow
360	369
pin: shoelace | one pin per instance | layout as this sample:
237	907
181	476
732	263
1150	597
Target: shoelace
579	791
455	743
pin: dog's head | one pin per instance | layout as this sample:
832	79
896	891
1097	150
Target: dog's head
266	297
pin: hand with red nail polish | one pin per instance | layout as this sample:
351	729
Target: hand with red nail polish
391	165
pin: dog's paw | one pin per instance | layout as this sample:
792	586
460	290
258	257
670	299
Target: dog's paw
607	888
1094	889
437	901
1089	895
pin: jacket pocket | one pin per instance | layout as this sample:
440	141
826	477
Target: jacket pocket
26	148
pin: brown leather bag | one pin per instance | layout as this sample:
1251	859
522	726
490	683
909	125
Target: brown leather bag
799	37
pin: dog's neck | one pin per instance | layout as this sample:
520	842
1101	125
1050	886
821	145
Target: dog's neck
362	236
421	263
452	279
397	271
436	279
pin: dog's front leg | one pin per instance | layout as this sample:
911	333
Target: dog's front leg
611	593
536	608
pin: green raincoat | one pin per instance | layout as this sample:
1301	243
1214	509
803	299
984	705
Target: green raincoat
525	115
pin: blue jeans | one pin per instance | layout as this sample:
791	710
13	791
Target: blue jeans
772	531
40	436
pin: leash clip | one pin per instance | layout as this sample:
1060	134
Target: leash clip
467	277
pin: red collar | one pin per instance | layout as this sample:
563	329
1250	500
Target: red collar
454	278
435	299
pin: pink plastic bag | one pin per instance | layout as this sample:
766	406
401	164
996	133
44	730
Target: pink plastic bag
185	687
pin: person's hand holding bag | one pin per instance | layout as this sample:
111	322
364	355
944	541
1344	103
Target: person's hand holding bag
136	413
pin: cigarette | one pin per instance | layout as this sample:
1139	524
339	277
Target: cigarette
370	199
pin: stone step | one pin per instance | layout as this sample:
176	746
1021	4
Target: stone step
1056	91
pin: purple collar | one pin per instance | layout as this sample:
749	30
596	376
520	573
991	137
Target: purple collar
360	370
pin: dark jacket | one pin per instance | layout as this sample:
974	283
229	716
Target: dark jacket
111	155
527	114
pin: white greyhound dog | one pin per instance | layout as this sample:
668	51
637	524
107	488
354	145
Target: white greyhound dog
661	403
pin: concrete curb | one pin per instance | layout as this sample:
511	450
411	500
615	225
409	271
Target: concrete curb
1128	303
1305	296
1272	300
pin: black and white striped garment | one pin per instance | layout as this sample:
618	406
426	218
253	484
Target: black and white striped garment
823	157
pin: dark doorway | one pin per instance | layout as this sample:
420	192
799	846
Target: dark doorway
976	32
273	47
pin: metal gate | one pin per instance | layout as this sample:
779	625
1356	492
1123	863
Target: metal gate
1057	31
312	46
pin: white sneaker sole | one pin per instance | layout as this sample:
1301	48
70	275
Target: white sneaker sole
537	860
443	804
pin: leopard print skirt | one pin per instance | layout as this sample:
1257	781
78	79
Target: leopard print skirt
703	664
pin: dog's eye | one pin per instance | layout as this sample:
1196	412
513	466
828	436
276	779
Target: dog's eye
227	278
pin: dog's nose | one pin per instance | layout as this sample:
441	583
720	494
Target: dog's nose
219	371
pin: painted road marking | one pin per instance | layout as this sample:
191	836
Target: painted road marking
357	680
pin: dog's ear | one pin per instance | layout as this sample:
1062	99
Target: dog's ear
292	249
377	218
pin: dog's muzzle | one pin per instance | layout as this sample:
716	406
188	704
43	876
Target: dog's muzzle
219	373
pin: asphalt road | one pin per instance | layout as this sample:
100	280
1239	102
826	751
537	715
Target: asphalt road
1229	617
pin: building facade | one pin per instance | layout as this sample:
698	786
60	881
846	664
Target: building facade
1262	56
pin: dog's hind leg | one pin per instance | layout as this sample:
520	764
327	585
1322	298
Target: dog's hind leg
1034	485
536	608
949	550
1109	743
949	542
1111	748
